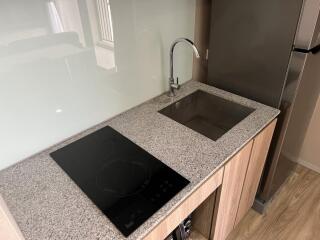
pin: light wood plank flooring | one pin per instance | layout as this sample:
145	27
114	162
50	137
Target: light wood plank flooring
293	214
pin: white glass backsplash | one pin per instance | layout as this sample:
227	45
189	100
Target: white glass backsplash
66	65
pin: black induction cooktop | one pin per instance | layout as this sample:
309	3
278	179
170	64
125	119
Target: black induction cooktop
127	183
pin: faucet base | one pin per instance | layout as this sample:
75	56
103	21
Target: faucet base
171	94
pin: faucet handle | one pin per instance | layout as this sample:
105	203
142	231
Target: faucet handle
175	85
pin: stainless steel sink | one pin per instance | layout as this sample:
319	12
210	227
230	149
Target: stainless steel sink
207	114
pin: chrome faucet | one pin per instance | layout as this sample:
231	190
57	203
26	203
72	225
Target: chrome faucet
172	84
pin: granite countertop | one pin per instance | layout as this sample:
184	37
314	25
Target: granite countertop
47	204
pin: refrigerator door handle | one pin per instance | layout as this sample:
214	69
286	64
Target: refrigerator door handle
313	50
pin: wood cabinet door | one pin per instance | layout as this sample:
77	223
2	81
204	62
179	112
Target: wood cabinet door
258	157
229	193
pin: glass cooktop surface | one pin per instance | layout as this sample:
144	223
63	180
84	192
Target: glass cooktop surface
124	181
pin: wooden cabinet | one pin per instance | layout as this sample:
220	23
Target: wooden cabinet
240	182
230	193
257	160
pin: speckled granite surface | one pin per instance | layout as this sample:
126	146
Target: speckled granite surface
48	205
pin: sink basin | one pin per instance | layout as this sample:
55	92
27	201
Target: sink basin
207	114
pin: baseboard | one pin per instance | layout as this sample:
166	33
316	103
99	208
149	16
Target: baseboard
302	162
309	165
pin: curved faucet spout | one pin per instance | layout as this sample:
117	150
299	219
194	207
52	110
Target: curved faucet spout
185	40
172	84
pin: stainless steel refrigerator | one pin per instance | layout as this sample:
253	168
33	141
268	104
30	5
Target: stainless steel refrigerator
258	49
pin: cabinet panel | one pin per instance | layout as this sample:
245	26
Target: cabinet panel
257	160
229	194
8	228
202	216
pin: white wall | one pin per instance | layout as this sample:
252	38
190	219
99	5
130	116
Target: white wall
310	151
303	136
51	86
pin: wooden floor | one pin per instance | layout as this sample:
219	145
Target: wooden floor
293	214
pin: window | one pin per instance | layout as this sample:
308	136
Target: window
105	21
55	19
